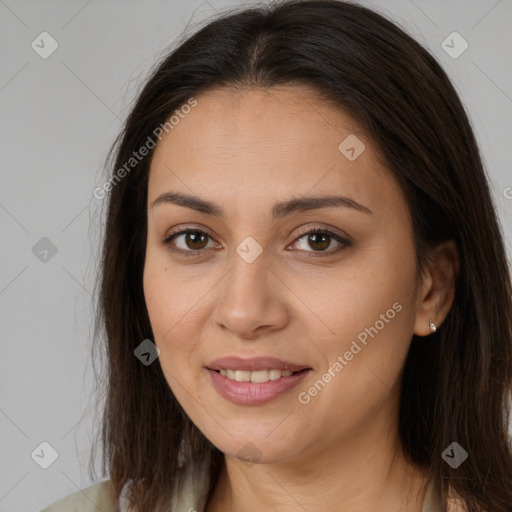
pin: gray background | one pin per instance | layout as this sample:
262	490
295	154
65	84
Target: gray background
59	117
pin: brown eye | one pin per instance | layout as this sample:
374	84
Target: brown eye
195	240
187	241
191	242
319	240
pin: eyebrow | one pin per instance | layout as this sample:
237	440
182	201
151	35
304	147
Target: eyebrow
279	210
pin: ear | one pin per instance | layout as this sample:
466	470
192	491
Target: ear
437	289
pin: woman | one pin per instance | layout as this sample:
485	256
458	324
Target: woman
304	290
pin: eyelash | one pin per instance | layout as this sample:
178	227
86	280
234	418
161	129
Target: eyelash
315	230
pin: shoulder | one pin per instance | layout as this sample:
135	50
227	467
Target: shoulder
434	500
191	493
454	501
91	499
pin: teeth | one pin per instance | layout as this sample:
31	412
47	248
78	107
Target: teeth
242	376
255	376
274	374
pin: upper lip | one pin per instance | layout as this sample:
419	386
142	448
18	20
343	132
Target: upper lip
253	364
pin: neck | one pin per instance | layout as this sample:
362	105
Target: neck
367	472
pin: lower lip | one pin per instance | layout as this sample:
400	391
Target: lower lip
254	393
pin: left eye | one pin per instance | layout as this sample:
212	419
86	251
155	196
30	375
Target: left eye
195	240
320	239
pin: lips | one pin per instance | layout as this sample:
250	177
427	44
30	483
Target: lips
255	393
255	364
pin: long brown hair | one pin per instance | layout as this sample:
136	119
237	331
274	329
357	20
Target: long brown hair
456	386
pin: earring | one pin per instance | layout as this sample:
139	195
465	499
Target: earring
433	327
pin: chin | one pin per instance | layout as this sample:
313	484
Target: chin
257	450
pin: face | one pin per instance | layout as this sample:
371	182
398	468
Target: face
247	280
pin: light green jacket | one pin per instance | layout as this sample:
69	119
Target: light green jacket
190	498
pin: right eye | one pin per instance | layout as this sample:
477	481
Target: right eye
192	242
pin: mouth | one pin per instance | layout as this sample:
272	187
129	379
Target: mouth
257	376
255	381
255	364
249	393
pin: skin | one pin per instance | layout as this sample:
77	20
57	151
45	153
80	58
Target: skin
246	150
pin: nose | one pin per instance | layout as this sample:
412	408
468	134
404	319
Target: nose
252	299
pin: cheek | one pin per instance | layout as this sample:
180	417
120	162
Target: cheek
172	322
363	361
370	315
170	305
169	298
373	298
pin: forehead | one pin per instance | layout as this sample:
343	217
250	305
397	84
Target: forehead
261	145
